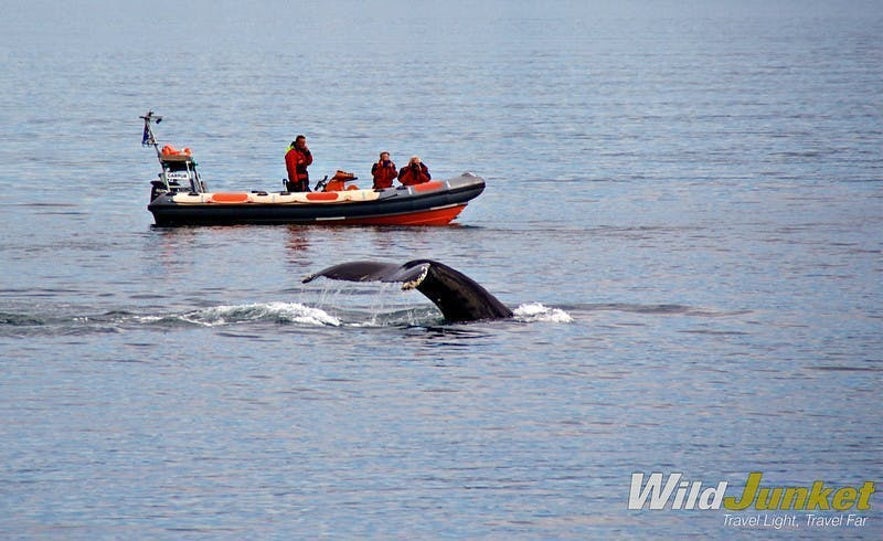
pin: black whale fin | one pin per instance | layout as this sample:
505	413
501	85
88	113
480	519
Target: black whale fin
459	297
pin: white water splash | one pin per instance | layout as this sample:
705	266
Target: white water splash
305	315
539	312
282	312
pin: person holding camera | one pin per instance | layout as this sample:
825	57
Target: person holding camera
384	172
297	159
415	172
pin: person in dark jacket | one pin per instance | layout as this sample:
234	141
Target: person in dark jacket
384	172
415	172
297	159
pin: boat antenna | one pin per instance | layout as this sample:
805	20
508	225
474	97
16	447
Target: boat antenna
147	138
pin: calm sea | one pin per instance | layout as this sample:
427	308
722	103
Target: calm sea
684	206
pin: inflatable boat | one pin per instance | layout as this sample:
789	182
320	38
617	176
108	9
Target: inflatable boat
180	197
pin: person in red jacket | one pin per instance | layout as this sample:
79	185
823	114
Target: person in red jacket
297	159
384	172
415	172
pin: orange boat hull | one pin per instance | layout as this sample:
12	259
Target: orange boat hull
442	216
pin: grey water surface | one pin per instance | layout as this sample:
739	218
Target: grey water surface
684	207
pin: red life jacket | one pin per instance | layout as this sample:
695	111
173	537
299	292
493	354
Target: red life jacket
383	175
408	176
296	162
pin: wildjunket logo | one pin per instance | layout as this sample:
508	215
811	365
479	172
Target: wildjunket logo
673	492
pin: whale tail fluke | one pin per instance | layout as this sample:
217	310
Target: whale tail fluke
459	297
